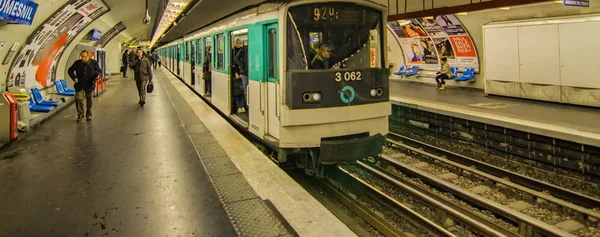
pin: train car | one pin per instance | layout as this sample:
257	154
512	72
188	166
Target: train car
317	90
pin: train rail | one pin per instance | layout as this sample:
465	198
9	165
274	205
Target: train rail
421	206
586	185
529	207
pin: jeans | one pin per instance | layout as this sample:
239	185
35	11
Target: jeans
440	79
245	85
79	97
239	102
141	87
125	68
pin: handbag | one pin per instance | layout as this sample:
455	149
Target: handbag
150	87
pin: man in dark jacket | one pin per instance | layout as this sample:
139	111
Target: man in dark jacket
241	69
142	74
125	61
84	73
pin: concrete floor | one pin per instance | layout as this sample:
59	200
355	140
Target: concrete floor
130	171
563	115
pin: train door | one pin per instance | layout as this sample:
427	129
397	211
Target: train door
272	82
178	57
193	63
239	85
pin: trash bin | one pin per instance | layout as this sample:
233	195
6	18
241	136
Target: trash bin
24	115
8	123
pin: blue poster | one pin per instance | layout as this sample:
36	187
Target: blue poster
577	3
18	11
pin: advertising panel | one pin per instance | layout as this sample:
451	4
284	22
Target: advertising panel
425	41
576	3
18	11
110	34
36	61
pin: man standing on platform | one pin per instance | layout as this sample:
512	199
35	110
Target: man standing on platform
142	74
125	61
154	59
84	73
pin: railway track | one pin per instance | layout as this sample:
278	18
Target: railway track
424	209
522	201
587	185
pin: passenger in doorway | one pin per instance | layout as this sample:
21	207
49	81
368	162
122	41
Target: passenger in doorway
125	63
142	74
84	73
321	60
241	65
206	72
444	73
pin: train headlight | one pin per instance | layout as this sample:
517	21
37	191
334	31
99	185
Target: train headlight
376	92
311	97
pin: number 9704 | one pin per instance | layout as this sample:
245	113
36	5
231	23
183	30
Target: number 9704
348	76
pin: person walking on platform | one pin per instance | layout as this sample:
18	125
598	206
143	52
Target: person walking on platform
154	59
142	74
125	62
84	72
444	73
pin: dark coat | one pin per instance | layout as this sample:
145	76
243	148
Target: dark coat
125	58
86	74
142	69
241	60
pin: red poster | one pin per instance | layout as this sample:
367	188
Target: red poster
463	47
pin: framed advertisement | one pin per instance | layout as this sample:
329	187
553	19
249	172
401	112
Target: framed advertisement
10	53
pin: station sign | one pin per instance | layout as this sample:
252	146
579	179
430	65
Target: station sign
576	3
18	11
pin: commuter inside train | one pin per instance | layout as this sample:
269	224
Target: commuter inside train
206	69
321	60
444	73
241	64
238	68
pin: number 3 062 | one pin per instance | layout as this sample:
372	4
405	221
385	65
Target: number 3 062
348	76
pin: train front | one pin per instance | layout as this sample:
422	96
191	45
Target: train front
336	89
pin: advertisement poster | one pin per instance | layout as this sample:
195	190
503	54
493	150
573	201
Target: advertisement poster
110	34
35	63
425	41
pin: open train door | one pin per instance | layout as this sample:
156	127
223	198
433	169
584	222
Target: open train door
272	83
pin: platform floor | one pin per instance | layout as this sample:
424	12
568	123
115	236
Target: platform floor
569	122
130	171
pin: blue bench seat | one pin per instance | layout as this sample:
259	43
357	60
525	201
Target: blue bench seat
38	108
468	74
414	71
61	91
39	100
64	85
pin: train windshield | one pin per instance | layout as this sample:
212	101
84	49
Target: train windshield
333	36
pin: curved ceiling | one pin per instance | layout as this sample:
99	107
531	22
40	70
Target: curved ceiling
204	13
131	13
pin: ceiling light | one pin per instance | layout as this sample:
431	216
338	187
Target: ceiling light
172	11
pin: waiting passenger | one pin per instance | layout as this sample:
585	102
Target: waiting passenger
445	73
321	60
207	70
241	65
84	73
154	59
143	74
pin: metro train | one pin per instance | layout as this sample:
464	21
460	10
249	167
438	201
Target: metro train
311	115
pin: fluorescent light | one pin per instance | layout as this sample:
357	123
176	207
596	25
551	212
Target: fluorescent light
461	14
173	9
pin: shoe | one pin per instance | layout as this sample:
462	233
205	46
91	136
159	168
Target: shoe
443	87
142	103
79	118
88	118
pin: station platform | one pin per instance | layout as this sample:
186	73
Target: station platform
567	122
171	168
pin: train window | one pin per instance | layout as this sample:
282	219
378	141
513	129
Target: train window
220	54
333	36
272	50
207	46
